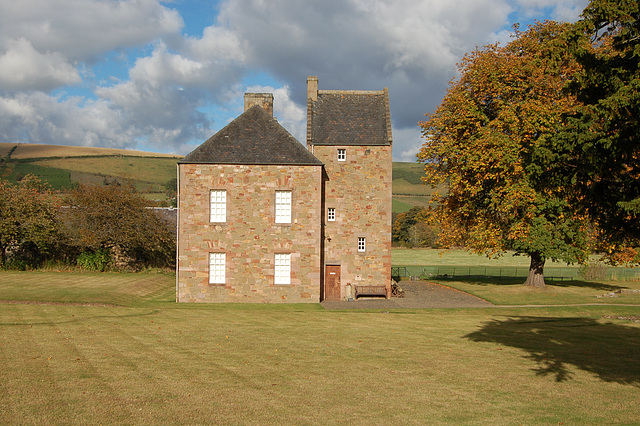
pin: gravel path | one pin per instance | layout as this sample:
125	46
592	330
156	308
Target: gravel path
418	294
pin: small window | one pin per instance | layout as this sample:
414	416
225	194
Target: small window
218	209
217	264
283	206
342	155
282	269
331	214
362	245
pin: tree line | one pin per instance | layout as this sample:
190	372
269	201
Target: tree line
93	227
411	229
537	142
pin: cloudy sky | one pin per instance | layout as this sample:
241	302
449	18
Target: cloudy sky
163	76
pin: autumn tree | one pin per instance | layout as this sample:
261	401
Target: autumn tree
483	141
596	156
115	219
28	227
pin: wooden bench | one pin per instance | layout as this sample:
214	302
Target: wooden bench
371	290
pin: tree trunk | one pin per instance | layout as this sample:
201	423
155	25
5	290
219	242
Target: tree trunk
536	271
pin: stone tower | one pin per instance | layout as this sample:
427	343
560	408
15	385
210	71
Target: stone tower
350	133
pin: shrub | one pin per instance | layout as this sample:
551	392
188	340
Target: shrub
28	228
115	218
98	261
593	272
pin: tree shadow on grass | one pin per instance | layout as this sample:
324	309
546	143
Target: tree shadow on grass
609	351
589	284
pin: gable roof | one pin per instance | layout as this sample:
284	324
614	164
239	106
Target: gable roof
341	117
255	137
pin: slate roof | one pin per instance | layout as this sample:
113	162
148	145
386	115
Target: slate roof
350	118
255	137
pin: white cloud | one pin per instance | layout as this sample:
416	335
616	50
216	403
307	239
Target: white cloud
157	105
406	143
410	46
165	91
289	114
558	10
40	118
217	45
82	29
44	43
24	68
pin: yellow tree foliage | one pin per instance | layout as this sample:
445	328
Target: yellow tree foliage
483	142
28	229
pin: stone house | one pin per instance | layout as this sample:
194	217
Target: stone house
261	218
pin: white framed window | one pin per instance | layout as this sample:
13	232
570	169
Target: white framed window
217	266
218	207
331	214
282	268
362	244
283	206
342	154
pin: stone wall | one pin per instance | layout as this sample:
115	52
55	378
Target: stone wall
249	237
360	191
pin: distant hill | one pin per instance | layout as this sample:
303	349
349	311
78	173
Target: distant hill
63	166
408	189
151	173
34	151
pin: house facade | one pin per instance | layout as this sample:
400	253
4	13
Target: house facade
261	218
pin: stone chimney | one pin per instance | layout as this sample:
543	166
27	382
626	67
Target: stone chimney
264	100
312	88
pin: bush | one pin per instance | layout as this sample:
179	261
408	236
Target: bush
15	265
115	218
98	261
28	229
593	272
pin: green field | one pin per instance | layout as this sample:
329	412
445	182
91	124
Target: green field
408	188
429	256
63	166
115	348
436	263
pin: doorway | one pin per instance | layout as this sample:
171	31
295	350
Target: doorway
332	282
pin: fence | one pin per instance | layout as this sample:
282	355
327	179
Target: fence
550	272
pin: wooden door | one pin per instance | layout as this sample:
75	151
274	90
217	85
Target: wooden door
332	282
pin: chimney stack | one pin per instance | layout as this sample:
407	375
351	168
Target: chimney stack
264	100
312	88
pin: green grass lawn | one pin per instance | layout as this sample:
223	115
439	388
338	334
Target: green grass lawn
115	348
513	292
428	256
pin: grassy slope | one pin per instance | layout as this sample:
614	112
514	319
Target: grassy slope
62	166
31	150
152	361
408	189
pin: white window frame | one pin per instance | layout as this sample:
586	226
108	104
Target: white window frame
217	205
362	244
217	268
342	154
282	269
331	214
283	207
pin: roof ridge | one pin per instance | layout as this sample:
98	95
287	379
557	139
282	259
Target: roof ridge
351	92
